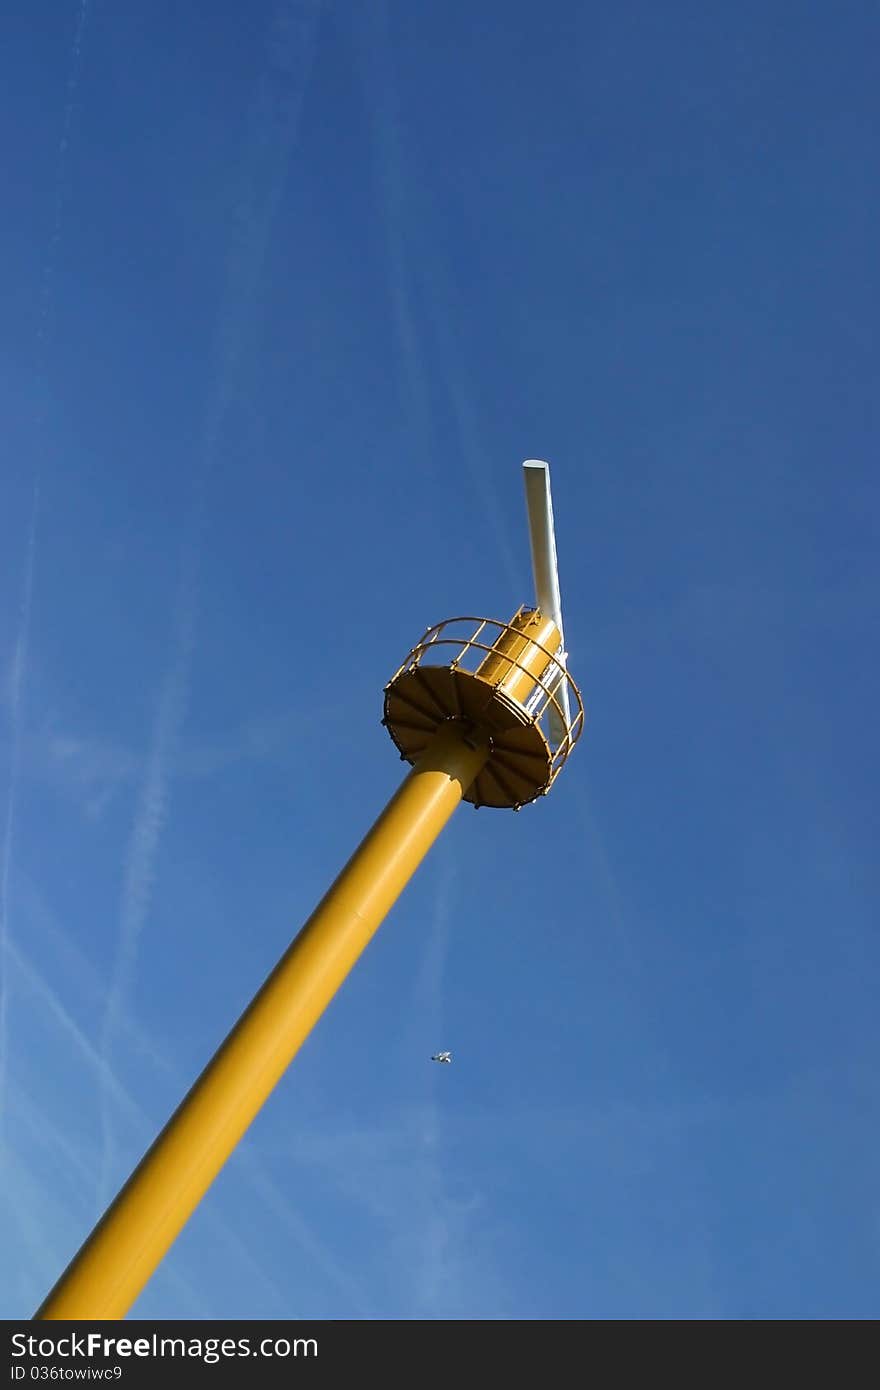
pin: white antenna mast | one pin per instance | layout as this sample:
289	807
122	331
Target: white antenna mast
542	537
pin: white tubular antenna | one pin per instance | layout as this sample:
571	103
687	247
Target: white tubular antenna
542	537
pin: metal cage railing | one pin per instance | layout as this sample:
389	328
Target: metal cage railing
467	651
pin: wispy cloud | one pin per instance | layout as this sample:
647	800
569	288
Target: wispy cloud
90	772
87	987
54	1009
19	663
272	128
398	205
287	1216
40	1220
443	1233
139	870
16	702
437	1227
381	93
398	1175
94	772
600	868
74	67
270	137
438	1245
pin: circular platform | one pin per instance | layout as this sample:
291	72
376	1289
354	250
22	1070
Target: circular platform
435	684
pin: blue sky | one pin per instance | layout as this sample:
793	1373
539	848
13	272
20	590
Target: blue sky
289	291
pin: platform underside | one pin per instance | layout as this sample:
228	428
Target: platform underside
520	765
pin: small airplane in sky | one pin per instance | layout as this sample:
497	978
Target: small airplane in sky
442	1057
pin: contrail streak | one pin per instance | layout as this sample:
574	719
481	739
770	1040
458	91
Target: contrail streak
143	845
272	128
53	1007
75	967
73	74
404	272
19	671
19	663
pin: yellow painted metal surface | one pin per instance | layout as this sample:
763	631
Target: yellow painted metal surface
122	1252
501	677
522	654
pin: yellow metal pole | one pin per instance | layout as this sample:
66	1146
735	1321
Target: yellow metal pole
136	1231
522	654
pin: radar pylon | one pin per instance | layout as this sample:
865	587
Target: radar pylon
485	711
